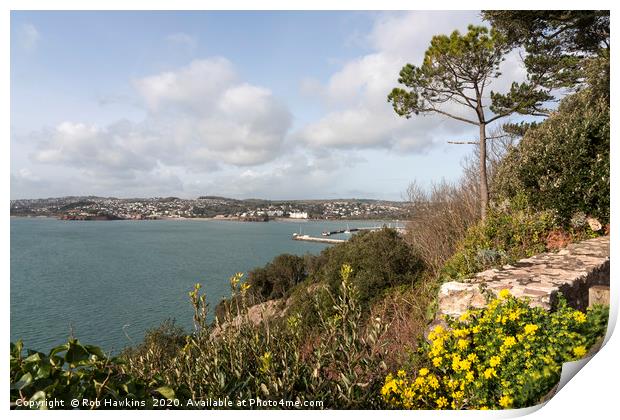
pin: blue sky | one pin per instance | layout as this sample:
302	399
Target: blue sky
242	104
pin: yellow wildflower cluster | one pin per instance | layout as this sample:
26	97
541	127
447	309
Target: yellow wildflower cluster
504	294
579	317
503	356
530	328
579	351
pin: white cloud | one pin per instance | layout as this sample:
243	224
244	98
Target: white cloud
296	175
196	85
116	150
213	118
355	97
27	36
200	116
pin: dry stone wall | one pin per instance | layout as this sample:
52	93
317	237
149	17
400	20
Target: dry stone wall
571	271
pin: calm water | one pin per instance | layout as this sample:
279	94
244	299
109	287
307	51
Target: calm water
112	279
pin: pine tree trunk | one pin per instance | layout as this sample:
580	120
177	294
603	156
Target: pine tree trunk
484	186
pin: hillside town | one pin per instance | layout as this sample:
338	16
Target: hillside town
107	208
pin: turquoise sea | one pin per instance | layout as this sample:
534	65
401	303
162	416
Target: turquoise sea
107	282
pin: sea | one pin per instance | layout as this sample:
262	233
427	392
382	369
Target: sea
108	282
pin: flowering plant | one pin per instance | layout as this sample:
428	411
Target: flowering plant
506	355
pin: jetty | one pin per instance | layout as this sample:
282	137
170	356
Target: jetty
358	229
308	238
324	235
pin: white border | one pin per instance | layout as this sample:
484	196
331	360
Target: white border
592	393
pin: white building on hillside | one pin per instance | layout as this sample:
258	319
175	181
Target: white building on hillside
298	215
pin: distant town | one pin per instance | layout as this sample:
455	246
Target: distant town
212	207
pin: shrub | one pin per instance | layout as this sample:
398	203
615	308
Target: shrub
239	360
379	260
406	311
277	278
76	371
273	281
563	163
160	344
307	300
506	235
511	231
439	218
507	355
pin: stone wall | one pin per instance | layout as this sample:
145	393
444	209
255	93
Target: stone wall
571	271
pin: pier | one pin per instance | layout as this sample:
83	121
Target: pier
324	235
309	238
351	230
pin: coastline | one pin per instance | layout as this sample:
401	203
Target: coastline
217	219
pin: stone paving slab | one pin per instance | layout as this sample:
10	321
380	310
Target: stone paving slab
571	271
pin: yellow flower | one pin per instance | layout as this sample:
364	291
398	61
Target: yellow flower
409	394
505	401
472	357
456	362
463	344
437	347
441	402
464	365
475	329
580	317
469	376
489	373
437	361
509	342
531	328
504	294
579	351
345	272
389	386
483	407
464	317
514	315
433	382
423	372
401	373
460	333
235	279
494	361
265	362
458	395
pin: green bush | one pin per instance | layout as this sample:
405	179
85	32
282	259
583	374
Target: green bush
508	355
506	235
76	371
278	277
273	281
342	367
380	260
160	344
309	299
563	163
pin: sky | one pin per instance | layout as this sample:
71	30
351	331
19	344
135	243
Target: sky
275	105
